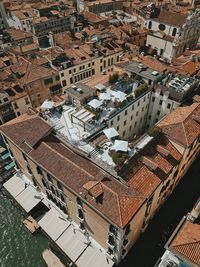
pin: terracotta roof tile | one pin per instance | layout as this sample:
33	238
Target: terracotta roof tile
187	242
180	124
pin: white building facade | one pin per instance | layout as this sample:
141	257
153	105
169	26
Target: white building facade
172	33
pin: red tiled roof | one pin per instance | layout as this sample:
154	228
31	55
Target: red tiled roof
25	129
172	18
181	125
187	242
144	178
116	201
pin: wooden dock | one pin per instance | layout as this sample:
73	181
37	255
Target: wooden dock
31	224
51	259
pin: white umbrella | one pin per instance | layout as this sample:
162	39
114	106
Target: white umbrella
120	145
110	133
104	96
119	95
47	104
95	103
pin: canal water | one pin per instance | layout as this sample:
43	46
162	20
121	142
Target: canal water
18	247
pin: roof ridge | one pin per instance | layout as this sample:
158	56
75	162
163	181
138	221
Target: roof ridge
186	244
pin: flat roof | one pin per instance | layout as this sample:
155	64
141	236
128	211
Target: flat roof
14	185
79	90
142	71
72	242
93	257
28	198
53	223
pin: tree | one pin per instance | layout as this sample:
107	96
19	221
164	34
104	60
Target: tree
113	78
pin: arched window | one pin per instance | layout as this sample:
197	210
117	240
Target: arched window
174	32
150	25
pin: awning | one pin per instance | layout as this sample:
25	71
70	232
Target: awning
120	145
93	257
2	149
5	156
28	198
10	166
95	103
72	242
53	223
14	185
47	104
110	133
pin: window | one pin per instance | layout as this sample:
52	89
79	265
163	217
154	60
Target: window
160	103
71	80
15	105
136	113
62	74
150	25
124	123
158	112
138	103
5	99
113	229
125	242
124	133
153	99
174	32
59	185
47	81
52	190
143	109
135	123
49	177
130	127
128	229
118	117
39	171
18	113
110	251
43	182
111	240
79	202
126	112
168	106
27	101
64	83
161	27
70	71
111	122
131	117
82	226
93	71
80	214
117	128
132	107
62	197
57	78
